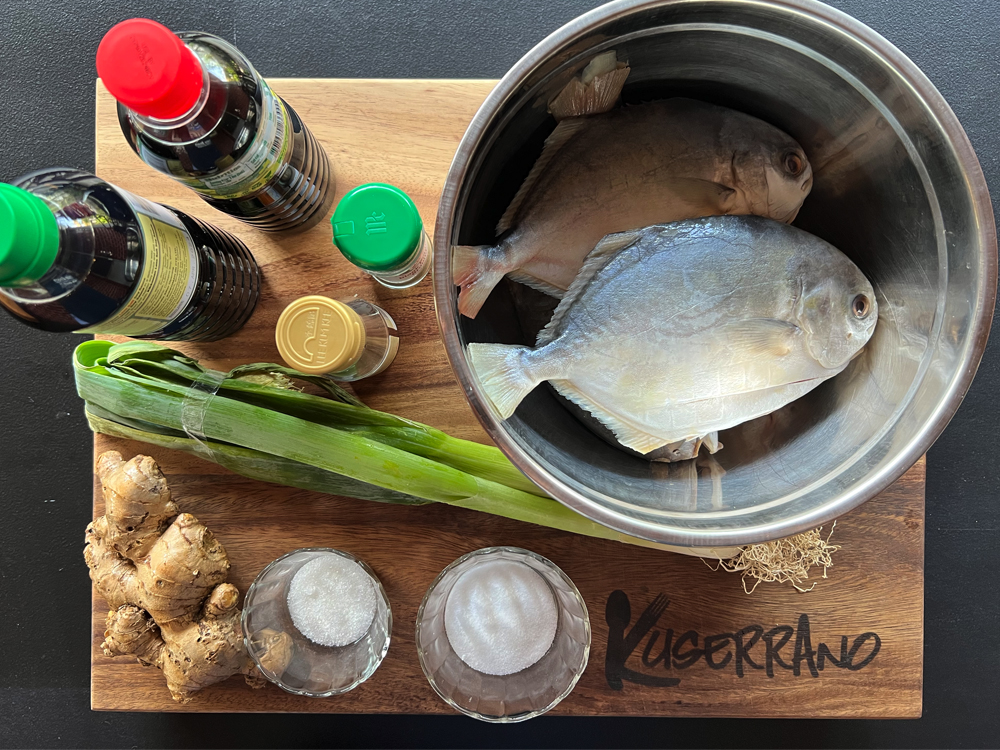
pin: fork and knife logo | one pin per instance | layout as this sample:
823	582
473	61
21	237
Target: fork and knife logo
618	614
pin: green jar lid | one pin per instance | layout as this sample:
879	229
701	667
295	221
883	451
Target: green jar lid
29	237
376	226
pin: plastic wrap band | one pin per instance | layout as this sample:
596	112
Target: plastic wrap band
194	408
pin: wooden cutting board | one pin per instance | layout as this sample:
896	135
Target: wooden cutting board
852	647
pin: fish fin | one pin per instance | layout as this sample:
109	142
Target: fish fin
627	435
474	277
502	372
711	442
762	336
681	450
542	286
594	91
599	257
558	138
685	450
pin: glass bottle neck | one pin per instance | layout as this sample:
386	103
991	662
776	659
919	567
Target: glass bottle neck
67	272
96	230
188	118
224	70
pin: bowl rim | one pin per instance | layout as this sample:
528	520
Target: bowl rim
982	316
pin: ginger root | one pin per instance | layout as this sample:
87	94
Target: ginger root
163	575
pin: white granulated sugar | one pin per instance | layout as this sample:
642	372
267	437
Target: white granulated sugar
500	617
331	600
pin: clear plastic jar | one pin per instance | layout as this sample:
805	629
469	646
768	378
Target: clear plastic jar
345	340
378	228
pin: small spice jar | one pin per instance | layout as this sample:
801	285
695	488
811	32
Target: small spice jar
344	340
378	228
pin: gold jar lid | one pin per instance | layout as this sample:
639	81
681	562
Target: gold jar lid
318	335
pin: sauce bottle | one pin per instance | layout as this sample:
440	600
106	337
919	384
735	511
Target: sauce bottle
378	228
78	254
344	340
193	107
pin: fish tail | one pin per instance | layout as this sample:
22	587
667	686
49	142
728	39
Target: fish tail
472	272
504	374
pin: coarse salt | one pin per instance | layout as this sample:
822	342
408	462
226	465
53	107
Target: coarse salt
331	600
500	617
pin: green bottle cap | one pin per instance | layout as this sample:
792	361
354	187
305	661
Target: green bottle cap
29	237
376	227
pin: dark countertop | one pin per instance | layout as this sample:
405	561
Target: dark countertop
47	85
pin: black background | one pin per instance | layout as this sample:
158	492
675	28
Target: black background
47	105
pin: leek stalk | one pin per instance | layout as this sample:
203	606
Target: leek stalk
255	424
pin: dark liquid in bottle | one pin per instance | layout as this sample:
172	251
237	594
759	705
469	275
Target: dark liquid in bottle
117	260
228	286
301	192
103	223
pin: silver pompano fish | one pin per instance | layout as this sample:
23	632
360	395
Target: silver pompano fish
676	331
629	168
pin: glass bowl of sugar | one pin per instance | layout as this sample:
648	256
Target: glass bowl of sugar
503	635
317	622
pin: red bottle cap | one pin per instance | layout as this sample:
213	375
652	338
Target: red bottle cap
149	69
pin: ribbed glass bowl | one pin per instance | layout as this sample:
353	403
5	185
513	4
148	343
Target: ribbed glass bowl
289	659
514	697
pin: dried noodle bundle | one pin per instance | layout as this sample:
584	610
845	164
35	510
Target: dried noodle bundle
784	560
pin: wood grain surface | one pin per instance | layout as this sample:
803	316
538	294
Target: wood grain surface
852	647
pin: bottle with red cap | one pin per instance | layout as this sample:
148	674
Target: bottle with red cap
193	107
79	254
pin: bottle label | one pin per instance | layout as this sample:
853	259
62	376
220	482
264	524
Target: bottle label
167	278
260	164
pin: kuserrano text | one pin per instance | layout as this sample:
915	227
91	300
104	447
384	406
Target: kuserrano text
662	651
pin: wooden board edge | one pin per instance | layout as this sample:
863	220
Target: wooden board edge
922	464
903	715
384	81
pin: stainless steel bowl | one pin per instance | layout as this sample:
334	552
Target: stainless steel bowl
897	187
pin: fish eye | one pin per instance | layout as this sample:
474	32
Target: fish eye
793	163
861	306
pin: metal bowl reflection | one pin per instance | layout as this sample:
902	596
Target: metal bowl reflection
897	187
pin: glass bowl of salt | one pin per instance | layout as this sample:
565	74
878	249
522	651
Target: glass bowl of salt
503	635
317	621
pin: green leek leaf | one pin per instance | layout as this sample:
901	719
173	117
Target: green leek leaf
252	422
